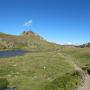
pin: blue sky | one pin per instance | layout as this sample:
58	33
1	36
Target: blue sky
60	21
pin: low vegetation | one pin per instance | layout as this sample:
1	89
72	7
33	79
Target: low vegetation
65	82
44	68
3	83
34	70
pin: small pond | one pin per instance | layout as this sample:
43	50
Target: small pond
12	53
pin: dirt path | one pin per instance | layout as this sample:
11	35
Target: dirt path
86	83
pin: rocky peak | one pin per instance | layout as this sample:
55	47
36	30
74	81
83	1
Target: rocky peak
28	33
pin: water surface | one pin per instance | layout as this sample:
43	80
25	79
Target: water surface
12	53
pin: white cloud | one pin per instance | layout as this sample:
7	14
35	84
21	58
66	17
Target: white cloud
28	23
69	43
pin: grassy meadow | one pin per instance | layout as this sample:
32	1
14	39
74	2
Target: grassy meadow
33	71
80	55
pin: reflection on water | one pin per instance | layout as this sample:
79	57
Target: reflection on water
12	53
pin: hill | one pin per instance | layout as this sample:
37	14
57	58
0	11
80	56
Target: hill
85	45
27	40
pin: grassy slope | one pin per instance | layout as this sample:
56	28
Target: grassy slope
81	55
34	70
6	39
28	40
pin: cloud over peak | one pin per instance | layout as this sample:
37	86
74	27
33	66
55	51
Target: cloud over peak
28	23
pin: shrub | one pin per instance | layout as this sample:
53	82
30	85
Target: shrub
3	83
66	82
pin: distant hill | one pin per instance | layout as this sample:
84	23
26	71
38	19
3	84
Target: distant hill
85	45
27	40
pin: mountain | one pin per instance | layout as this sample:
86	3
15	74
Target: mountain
27	40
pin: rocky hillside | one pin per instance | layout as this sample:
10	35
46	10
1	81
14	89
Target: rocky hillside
26	40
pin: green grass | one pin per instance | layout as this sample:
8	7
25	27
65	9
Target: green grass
65	82
80	55
34	70
3	83
42	70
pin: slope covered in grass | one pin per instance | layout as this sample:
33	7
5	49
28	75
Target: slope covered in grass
27	40
33	71
81	55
